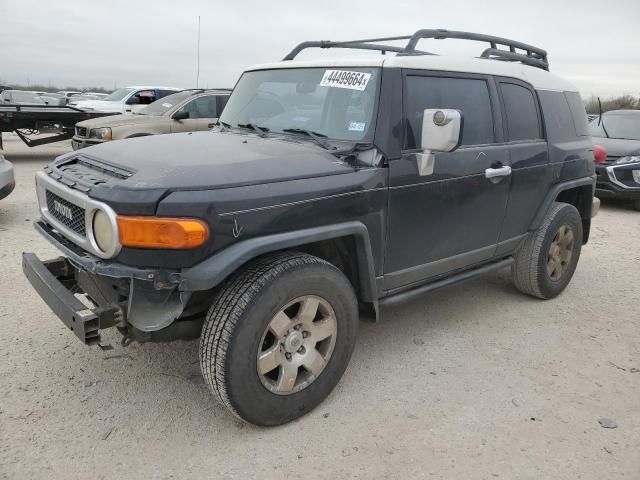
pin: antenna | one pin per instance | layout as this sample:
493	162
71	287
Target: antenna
198	56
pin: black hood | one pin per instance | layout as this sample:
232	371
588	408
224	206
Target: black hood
618	147
134	174
206	160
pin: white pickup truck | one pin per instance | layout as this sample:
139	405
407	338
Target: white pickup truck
126	100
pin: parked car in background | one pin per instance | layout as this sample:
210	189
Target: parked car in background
96	95
186	111
126	100
53	98
68	93
21	97
87	96
7	180
618	131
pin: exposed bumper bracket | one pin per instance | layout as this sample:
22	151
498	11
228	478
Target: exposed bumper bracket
84	322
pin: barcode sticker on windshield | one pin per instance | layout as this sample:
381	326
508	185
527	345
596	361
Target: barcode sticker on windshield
345	79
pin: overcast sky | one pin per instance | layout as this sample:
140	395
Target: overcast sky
595	44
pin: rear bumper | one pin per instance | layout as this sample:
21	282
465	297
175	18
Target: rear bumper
595	206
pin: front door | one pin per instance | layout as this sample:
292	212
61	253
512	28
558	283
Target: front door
448	218
203	114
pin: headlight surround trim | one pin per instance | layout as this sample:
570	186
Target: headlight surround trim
102	133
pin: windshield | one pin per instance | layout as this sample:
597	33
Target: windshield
337	103
617	125
160	107
118	95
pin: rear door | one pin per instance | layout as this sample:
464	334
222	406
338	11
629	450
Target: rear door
529	159
449	219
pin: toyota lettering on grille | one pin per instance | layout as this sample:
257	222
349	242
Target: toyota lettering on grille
63	210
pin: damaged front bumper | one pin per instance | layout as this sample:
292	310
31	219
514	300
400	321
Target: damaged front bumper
89	294
54	281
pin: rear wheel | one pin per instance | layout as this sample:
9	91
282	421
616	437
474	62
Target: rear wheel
278	337
545	263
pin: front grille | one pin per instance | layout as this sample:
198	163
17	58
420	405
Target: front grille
81	131
70	215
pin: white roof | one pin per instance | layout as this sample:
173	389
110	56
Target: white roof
539	78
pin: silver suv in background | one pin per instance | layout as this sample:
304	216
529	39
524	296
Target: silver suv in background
7	180
186	111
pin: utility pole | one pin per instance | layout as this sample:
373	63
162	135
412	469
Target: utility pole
198	56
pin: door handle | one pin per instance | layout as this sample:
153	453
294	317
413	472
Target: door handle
497	172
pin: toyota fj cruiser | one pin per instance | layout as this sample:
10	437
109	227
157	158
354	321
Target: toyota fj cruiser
329	188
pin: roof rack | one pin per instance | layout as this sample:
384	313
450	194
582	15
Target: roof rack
528	54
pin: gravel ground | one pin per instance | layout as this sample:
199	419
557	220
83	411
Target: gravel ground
477	381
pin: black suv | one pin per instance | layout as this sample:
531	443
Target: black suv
328	189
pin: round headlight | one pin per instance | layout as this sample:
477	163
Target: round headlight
103	231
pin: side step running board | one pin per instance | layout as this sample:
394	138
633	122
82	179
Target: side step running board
407	295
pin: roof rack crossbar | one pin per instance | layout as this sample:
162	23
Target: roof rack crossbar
533	56
355	45
508	56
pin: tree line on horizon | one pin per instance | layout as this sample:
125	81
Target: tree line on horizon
623	102
53	89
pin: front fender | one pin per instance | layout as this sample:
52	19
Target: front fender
216	268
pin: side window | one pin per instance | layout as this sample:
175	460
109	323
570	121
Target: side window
164	93
471	96
579	113
146	96
557	116
520	107
202	107
222	101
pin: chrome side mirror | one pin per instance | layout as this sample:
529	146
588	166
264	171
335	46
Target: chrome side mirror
441	132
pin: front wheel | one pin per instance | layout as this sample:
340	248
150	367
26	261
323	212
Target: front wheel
546	261
278	337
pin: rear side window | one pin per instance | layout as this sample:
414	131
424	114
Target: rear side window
222	101
557	116
523	122
470	96
578	112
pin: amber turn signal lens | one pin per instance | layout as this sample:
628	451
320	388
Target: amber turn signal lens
155	232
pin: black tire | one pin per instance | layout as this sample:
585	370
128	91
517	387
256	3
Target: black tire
529	270
241	311
636	205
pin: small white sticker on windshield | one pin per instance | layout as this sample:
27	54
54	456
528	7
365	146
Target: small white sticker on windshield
345	79
357	126
167	105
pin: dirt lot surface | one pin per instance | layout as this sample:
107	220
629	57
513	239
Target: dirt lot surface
473	382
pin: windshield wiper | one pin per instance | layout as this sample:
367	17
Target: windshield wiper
353	150
262	131
315	136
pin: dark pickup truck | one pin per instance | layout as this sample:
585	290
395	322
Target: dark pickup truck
329	188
